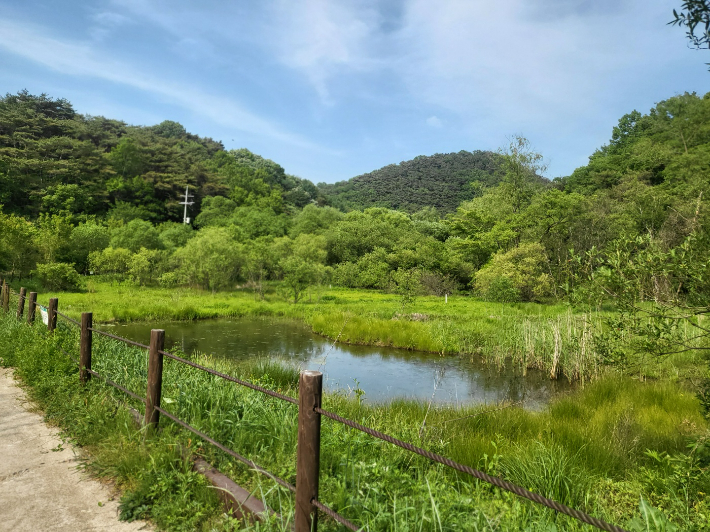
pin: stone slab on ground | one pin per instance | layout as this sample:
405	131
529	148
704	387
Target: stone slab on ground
40	485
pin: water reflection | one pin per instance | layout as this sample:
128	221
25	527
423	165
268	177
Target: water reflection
383	373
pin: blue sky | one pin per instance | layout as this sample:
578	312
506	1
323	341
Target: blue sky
333	89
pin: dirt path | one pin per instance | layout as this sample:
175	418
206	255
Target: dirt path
40	486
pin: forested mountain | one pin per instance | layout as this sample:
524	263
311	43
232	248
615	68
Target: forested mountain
54	160
442	181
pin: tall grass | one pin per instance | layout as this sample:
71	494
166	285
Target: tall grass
579	450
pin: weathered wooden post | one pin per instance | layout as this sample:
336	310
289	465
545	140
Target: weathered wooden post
2	293
308	451
155	377
52	314
21	304
31	308
6	297
85	347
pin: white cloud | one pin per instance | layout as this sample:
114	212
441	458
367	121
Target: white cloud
434	121
322	37
77	59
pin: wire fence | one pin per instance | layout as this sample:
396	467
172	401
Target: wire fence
305	520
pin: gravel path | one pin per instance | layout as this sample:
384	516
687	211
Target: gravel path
40	485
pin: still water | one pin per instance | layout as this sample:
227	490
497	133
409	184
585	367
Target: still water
382	373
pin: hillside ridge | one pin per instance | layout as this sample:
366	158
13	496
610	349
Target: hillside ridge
442	180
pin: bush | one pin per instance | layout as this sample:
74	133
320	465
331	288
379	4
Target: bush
113	261
346	274
502	290
58	276
524	268
436	284
169	280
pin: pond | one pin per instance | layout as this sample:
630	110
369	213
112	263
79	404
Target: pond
382	373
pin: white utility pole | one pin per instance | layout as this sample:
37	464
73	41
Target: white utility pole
187	202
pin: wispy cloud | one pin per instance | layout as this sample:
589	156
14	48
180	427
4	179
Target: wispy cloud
105	25
318	39
79	59
321	38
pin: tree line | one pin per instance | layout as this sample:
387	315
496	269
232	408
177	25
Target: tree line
85	194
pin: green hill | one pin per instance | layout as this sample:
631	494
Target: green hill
54	160
442	180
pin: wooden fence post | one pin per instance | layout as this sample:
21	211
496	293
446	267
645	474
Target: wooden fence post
31	308
21	304
6	297
308	451
155	377
85	347
52	314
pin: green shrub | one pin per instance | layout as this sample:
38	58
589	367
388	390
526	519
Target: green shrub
113	261
524	266
58	276
502	290
169	280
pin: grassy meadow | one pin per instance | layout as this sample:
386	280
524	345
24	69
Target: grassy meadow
630	449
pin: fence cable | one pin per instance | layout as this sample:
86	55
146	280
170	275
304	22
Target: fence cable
335	515
124	340
232	379
227	450
67	354
495	481
124	390
67	318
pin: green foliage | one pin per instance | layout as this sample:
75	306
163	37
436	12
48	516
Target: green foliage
55	161
651	520
85	239
521	271
135	235
66	200
407	283
110	261
502	290
143	266
521	169
51	236
18	253
695	16
314	220
57	276
659	293
174	235
216	211
254	222
301	263
550	471
259	261
212	259
360	233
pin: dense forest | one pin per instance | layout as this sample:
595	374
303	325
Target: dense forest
91	195
55	161
441	181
